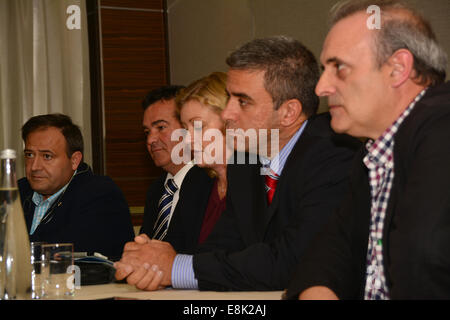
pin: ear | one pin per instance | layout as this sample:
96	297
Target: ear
290	111
401	65
75	159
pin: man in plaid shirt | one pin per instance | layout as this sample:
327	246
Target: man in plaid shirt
390	239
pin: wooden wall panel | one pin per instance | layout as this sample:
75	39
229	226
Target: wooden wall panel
140	4
135	188
134	53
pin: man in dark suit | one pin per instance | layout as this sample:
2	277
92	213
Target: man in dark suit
184	217
390	239
63	201
261	236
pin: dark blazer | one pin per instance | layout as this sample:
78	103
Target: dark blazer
187	218
256	247
92	214
416	235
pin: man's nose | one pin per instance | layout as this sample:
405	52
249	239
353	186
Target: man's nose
152	137
36	163
325	87
230	112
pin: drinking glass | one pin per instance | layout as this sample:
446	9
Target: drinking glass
58	271
36	272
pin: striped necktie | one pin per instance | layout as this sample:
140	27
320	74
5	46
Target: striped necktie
164	207
270	185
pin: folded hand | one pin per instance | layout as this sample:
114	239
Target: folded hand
146	263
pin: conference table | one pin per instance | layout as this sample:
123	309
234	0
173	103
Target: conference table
125	291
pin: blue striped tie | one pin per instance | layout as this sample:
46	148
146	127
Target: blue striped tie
164	206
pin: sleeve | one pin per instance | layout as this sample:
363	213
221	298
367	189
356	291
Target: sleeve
105	218
329	261
183	273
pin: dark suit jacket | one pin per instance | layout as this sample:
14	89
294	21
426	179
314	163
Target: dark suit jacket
256	247
92	214
187	218
416	235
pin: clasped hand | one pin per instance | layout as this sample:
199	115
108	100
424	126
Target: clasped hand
146	264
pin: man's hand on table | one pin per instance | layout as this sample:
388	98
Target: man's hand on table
146	264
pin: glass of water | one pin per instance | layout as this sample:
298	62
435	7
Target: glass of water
36	271
57	271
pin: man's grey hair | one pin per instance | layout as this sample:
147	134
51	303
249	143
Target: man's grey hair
290	69
402	27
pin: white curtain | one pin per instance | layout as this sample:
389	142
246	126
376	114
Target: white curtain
44	67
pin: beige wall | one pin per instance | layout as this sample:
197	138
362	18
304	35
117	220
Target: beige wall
203	32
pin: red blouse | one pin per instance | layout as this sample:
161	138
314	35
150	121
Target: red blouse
213	211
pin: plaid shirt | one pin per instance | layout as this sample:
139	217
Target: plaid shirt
380	162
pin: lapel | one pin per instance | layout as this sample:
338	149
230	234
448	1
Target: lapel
362	198
284	183
159	192
387	225
247	193
28	209
185	214
399	177
262	212
361	214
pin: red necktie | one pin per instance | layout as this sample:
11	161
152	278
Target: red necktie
271	184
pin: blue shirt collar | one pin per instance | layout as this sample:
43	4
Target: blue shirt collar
279	160
38	198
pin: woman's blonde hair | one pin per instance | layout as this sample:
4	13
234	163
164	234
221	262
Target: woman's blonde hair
209	91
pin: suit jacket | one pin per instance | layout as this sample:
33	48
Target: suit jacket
92	214
187	218
416	235
255	246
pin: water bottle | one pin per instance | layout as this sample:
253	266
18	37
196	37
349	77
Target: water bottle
15	258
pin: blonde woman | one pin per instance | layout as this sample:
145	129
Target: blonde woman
199	106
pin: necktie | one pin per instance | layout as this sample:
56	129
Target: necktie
164	207
271	184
